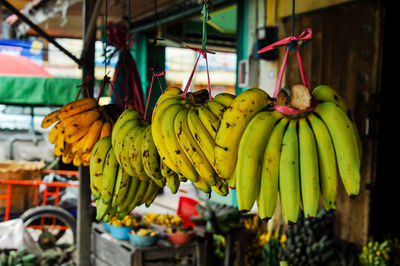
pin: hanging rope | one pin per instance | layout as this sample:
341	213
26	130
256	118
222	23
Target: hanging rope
203	51
292	43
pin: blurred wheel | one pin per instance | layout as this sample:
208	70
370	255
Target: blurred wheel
50	226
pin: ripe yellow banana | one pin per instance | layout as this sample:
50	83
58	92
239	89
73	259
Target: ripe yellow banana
73	123
201	135
346	145
92	136
173	182
289	179
50	119
202	185
156	126
110	170
150	157
106	129
67	155
77	135
209	120
326	162
59	145
54	132
221	187
309	173
268	196
135	154
216	108
97	160
170	92
233	122
192	149
77	107
77	161
250	157
224	98
182	162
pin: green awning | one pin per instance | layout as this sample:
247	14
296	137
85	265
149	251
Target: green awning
38	90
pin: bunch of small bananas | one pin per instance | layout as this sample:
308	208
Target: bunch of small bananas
77	127
375	253
184	131
128	221
115	191
165	219
261	152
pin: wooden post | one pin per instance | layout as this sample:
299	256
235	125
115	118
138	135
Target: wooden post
84	201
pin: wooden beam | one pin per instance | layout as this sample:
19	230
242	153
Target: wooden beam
84	198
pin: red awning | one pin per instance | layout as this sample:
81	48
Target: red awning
15	65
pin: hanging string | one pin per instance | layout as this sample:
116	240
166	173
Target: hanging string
203	51
154	68
292	44
106	37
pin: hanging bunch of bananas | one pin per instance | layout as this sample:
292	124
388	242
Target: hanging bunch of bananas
184	131
296	157
115	191
77	127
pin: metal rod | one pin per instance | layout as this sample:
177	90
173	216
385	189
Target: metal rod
39	30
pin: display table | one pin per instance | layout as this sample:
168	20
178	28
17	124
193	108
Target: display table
106	250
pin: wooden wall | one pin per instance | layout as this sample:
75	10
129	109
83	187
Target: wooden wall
345	53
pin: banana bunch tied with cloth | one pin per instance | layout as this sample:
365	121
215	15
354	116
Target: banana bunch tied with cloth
265	154
76	127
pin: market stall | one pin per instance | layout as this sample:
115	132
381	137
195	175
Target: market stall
185	166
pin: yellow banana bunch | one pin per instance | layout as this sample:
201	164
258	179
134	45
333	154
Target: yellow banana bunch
232	124
184	136
77	127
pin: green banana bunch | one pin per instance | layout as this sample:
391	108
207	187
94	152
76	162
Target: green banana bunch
18	257
97	160
375	253
250	157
